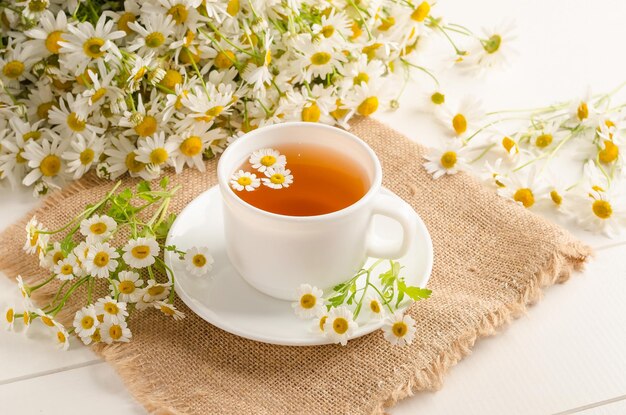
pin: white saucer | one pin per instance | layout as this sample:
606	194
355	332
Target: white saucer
225	300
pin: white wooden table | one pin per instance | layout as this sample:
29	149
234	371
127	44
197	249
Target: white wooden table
567	355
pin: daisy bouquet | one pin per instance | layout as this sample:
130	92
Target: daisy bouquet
129	87
105	265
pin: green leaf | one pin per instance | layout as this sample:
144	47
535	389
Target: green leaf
143	186
160	232
164	182
124	196
417	293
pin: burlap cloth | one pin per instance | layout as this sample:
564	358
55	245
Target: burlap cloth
492	258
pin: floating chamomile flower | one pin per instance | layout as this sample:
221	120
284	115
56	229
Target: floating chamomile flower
310	301
447	160
98	228
113	311
115	332
141	252
244	180
340	325
265	158
86	321
198	261
399	329
169	310
128	286
100	260
67	268
277	177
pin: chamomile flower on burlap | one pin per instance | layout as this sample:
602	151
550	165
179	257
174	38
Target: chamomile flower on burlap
169	310
244	180
67	268
463	118
84	151
86	321
94	338
265	158
141	252
128	286
115	332
523	187
277	177
310	301
81	251
198	261
111	310
98	228
450	159
156	291
62	337
100	259
36	241
52	256
399	329
44	158
8	318
340	325
46	38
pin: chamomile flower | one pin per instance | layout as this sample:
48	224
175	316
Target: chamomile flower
157	151
259	75
36	240
15	65
546	137
582	110
12	162
277	177
399	329
103	90
128	285
449	159
375	308
140	252
340	325
86	44
23	288
320	321
61	336
48	34
265	158
154	33
9	318
67	268
94	338
70	117
100	259
84	152
207	105
316	58
494	47
334	26
122	158
169	310
33	9
244	180
310	301
155	291
40	101
86	321
52	256
115	332
192	143
113	311
362	70
198	261
367	98
98	228
522	187
464	118
44	158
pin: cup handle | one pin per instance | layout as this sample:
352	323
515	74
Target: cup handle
402	213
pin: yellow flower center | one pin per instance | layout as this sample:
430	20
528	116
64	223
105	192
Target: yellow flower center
544	140
609	153
399	329
356	30
492	44
32	135
156	290
124	20
370	50
459	123
34	238
92	46
171	79
75	123
320	58
133	165
87	322
308	301
188	56
52	41
101	259
191	146
126	287
140	251
155	39
42	110
26	318
232	7
37	5
375	306
168	311
338	112
67	269
448	160
98	94
277	178
158	156
147	126
311	113
13	69
199	260
582	111
115	331
386	23
421	12
361	77
525	197
58	256
556	197
111	308
244	180
509	144
322	322
47	321
19	158
368	106
212	113
602	209
340	325
61	337
86	156
10	315
327	31
224	59
95	337
98	228
438	98
50	165
179	13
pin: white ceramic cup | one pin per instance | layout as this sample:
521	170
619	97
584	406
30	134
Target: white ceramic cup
277	253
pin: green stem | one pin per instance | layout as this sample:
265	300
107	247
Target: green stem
38	286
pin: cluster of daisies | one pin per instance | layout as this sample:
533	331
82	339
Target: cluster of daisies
126	276
137	87
523	162
271	164
361	300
